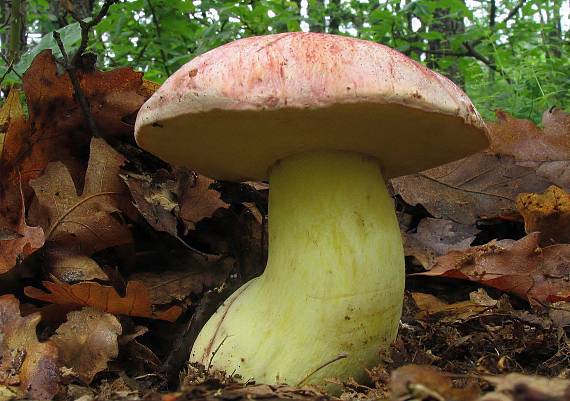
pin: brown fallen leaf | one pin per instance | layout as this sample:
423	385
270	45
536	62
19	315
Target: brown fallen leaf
168	286
515	387
518	267
197	199
525	141
11	109
421	382
155	200
521	158
56	129
436	237
87	341
431	306
136	301
24	361
86	223
479	186
18	240
548	213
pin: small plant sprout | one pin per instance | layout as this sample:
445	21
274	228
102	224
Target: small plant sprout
326	119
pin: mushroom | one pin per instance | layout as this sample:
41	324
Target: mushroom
326	119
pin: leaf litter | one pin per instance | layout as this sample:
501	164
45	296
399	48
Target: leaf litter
103	239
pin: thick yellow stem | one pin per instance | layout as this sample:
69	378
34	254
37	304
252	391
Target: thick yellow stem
333	287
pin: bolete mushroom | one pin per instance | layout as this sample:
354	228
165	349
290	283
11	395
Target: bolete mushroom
326	119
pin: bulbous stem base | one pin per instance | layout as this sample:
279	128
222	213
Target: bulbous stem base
331	296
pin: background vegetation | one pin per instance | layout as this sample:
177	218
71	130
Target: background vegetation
508	54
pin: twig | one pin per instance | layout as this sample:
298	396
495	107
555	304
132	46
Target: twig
5	23
79	95
340	356
478	56
86	27
71	65
10	68
157	27
215	352
509	16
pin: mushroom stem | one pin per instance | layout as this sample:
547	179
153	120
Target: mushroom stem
333	284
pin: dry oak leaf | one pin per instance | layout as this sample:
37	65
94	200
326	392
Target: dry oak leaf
24	361
85	223
18	240
548	213
515	386
527	142
56	129
176	285
436	237
422	382
11	109
155	201
521	158
430	305
479	186
197	199
518	267
87	341
136	302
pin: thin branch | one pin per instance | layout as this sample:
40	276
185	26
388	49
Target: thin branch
7	22
509	16
86	27
71	65
10	68
478	56
513	11
79	95
157	27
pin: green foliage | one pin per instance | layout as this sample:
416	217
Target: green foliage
519	61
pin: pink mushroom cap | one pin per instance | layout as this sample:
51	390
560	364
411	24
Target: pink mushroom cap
234	111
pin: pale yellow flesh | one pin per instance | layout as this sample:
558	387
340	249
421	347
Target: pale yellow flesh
333	284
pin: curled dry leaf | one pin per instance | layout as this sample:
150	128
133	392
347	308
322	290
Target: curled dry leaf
519	267
548	213
85	223
436	237
24	361
168	286
197	199
430	305
87	341
525	141
421	382
136	301
155	201
523	387
19	240
479	186
11	109
521	158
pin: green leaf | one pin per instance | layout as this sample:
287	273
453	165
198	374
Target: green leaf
70	37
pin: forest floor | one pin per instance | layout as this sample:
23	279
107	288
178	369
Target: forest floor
111	260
